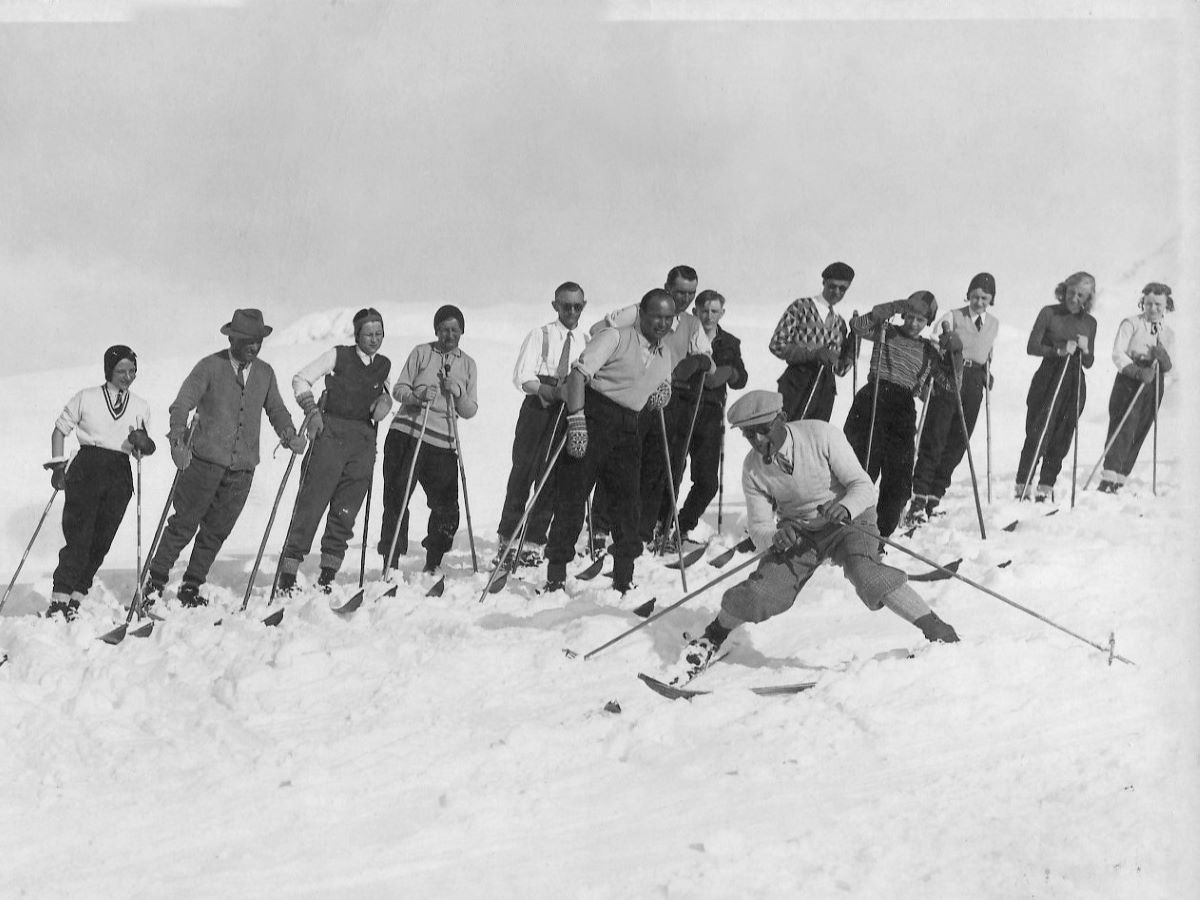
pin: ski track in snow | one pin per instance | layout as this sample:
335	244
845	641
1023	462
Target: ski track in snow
447	747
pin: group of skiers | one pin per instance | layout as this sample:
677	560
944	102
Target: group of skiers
609	419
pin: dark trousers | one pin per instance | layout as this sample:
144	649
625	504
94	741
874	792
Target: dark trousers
943	441
891	447
796	385
1124	451
208	498
437	474
612	461
677	416
336	476
705	454
532	440
1061	418
97	491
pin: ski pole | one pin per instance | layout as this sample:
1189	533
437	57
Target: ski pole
962	417
1116	432
28	547
525	515
462	473
880	345
678	603
408	489
812	392
1037	453
1154	440
262	546
975	584
721	478
305	464
924	410
162	519
362	561
662	423
1075	442
987	409
857	346
549	441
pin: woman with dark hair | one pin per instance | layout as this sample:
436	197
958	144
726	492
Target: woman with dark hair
1064	335
1141	342
110	424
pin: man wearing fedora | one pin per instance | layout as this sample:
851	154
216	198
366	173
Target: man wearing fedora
803	487
228	390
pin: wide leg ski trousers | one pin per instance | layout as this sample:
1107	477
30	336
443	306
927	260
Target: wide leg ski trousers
796	384
779	578
892	449
98	489
208	497
705	453
532	442
1119	460
437	475
335	478
1061	418
943	443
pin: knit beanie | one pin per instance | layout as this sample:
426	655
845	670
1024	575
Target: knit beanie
985	282
114	355
363	316
449	312
924	304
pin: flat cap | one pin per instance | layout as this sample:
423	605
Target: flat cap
755	408
838	270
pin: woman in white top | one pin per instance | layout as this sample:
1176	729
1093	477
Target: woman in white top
1142	341
110	424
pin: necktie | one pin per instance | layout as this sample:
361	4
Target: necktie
241	375
564	361
1154	328
979	323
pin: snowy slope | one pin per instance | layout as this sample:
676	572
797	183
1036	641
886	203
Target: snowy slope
446	747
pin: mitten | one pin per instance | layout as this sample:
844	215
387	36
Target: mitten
381	407
577	436
881	312
1146	373
950	342
181	454
453	387
314	422
1082	341
719	376
827	356
661	396
141	442
798	355
58	473
294	441
1159	352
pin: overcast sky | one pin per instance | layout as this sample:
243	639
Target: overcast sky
158	172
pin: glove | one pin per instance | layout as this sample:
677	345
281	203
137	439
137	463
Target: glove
834	512
141	442
314	424
58	473
826	356
1159	353
453	387
294	441
577	437
381	407
421	394
660	397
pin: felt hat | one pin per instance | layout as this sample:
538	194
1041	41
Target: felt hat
755	408
838	270
449	311
248	324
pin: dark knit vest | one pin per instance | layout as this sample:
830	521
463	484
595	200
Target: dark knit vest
352	387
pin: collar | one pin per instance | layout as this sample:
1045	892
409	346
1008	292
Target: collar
644	342
365	357
233	362
823	306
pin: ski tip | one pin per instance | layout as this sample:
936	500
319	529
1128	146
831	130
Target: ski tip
498	585
438	589
592	571
350	605
612	706
1004	565
569	653
274	618
1011	526
144	630
115	636
646	608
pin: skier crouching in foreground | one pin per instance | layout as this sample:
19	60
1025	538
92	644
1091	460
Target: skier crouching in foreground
802	481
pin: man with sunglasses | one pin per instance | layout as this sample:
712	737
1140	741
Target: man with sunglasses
543	364
815	343
804	488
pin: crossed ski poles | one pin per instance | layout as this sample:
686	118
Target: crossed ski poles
542	469
1037	453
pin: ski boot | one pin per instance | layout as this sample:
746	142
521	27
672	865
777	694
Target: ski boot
63	605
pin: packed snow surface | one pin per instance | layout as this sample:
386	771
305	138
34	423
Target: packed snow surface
444	746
